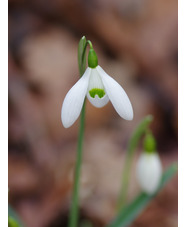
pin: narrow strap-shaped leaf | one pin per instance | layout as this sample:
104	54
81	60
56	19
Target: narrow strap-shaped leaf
130	212
12	222
13	219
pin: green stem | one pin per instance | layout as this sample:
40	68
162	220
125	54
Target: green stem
90	44
139	131
74	214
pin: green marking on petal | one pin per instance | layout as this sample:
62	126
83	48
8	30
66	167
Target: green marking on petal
97	91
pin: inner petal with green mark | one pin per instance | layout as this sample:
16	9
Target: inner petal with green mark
97	91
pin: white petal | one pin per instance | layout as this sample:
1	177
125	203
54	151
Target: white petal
117	95
74	99
95	80
98	102
149	172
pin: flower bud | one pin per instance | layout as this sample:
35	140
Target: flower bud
149	172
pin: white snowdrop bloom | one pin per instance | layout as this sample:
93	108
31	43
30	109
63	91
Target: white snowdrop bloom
99	88
149	172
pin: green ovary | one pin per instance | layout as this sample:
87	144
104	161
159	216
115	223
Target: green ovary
97	91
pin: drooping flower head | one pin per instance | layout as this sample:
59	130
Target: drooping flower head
149	167
99	88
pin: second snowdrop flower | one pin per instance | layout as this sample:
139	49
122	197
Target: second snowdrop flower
149	168
99	88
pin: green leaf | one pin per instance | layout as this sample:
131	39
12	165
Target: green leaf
12	222
129	213
13	219
133	143
82	55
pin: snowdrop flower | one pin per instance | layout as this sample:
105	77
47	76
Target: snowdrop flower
149	168
99	88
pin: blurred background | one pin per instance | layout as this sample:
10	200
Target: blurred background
136	43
